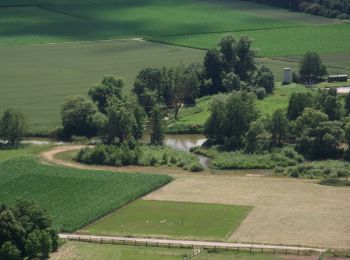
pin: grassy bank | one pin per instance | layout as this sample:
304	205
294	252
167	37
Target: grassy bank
73	197
192	119
172	219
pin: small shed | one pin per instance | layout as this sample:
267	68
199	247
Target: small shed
287	76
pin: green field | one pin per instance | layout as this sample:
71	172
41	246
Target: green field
171	219
73	197
27	149
90	251
36	78
277	42
42	21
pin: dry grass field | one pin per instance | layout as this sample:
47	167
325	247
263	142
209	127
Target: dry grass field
285	211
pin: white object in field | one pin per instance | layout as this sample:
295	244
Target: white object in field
287	76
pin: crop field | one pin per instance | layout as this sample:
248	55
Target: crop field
36	78
42	21
286	211
277	42
87	251
171	219
73	197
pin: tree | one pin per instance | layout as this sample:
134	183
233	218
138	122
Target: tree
231	82
228	50
9	251
311	67
265	79
157	135
327	101
148	87
297	103
185	84
109	87
318	138
213	71
246	65
257	139
230	119
25	232
140	117
278	126
214	126
77	116
347	103
120	122
13	126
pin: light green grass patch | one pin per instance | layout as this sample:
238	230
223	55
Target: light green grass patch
171	219
91	251
277	42
279	99
73	197
26	149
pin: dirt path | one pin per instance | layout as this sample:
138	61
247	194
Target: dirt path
286	211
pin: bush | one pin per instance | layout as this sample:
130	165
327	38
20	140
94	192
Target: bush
260	93
141	155
196	167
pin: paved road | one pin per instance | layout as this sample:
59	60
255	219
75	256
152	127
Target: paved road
189	243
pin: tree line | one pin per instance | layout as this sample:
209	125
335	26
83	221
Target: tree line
339	9
25	232
317	124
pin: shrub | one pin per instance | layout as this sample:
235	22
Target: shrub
260	93
141	155
196	167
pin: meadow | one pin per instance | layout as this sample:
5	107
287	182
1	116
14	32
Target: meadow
277	42
194	117
22	150
171	219
52	21
73	197
86	251
36	78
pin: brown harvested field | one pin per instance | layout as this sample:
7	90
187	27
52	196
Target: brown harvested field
287	211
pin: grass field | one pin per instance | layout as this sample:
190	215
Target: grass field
73	197
37	78
171	219
286	211
87	251
278	42
27	149
52	21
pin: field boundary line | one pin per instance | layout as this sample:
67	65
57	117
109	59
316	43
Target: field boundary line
188	243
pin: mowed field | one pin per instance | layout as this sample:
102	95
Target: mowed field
90	251
74	198
286	211
171	220
42	21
